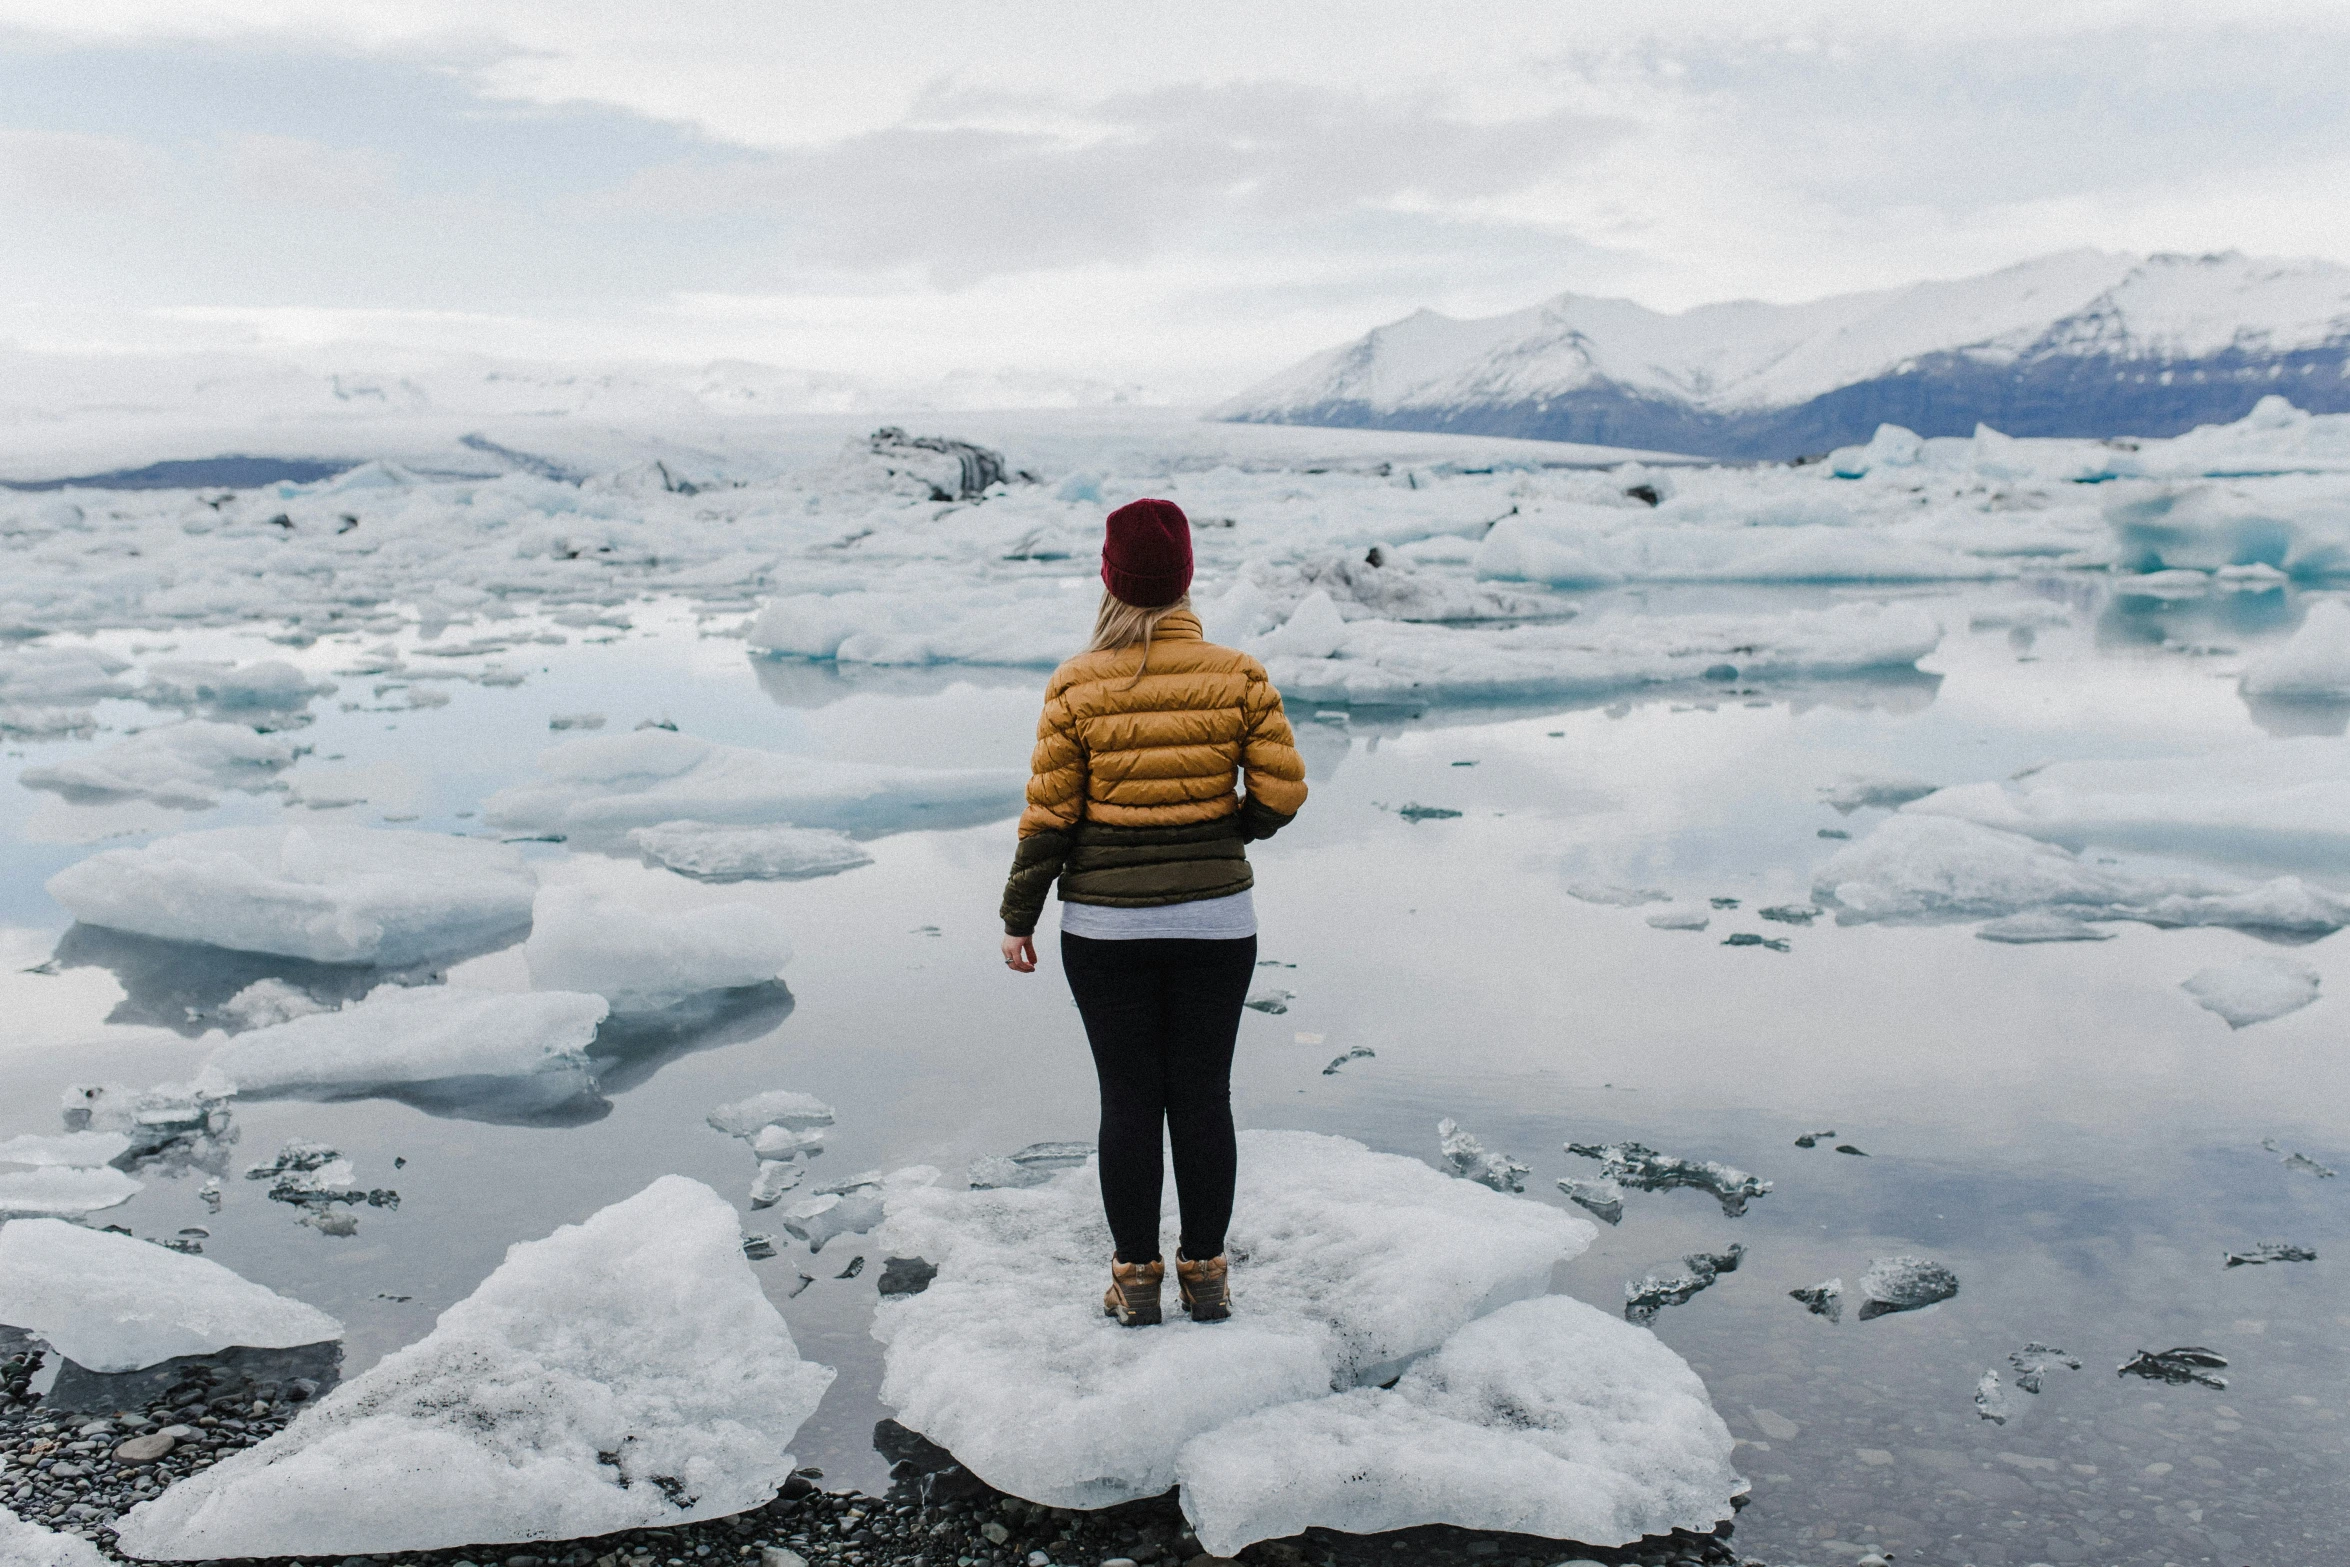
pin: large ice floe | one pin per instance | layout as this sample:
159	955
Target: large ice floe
1350	1268
2313	665
1318	656
710	853
186	766
108	1302
623	1372
326	893
535	1041
2254	989
596	790
1939	867
641	961
65	1189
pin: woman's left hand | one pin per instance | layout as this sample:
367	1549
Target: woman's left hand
1020	954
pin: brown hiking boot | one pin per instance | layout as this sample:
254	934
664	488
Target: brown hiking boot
1205	1287
1133	1295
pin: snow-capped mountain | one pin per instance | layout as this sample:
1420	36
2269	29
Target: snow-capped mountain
2085	343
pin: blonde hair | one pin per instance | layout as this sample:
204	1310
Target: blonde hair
1119	624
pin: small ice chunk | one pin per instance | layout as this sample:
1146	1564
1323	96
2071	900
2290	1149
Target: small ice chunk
76	1150
1270	999
1546	1417
1904	1284
576	721
1470	1159
1347	1266
1425	813
109	1303
713	853
300	1156
2180	1366
1680	919
850	1208
2254	989
1031	1166
784	1142
1991	1398
1823	1300
2267	1251
1645	1170
1644	1297
2313	665
24	1543
1856	791
183	766
784	1107
1748	938
2034	1361
268	1001
641	961
2040	925
427	1034
64	1190
1812	1139
2296	1161
270	686
1791	913
1615	896
776	1177
1602	1199
1358	1053
623	1373
329	894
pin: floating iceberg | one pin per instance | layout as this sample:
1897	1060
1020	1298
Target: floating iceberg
272	685
849	1207
1651	1293
64	1189
1645	1170
601	787
1376	661
748	853
426	1034
184	766
52	676
84	1150
622	1373
24	1543
1471	1160
328	894
2278	802
108	1303
2313	665
2180	1366
641	961
1031	1166
1894	1284
1347	1265
1856	791
2300	525
1944	867
784	1107
2254	989
1546	1417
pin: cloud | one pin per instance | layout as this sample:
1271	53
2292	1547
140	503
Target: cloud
292	171
68	169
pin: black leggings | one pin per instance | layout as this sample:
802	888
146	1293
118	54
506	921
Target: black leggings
1161	1016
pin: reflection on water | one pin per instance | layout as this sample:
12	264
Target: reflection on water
2059	1126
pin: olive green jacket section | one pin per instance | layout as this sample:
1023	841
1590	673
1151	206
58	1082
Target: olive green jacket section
1135	797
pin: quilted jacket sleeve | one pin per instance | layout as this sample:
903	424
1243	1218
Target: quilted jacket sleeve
1272	773
1048	825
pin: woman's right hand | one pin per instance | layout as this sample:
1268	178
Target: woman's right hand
1020	954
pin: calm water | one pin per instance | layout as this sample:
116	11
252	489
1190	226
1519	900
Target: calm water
2058	1124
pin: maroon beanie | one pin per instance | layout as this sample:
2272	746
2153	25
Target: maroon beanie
1146	555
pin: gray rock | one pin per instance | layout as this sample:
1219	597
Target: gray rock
144	1449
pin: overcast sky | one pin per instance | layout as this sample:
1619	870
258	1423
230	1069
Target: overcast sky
1185	197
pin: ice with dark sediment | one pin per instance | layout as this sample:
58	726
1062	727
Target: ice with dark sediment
2267	1251
1347	1266
1471	1160
329	894
1602	1199
1894	1284
715	853
1991	1398
2034	1361
185	766
2253	989
1748	938
1356	1053
1823	1300
110	1303
624	1372
2188	1363
1644	1169
2293	1159
1652	1292
642	960
1857	791
1270	999
598	789
1031	1166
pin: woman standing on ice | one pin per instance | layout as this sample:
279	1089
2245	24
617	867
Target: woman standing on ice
1137	806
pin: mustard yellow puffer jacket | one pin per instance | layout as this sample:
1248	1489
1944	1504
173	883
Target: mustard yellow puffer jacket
1132	799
